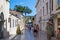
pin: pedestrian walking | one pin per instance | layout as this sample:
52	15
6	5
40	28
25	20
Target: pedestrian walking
37	27
36	32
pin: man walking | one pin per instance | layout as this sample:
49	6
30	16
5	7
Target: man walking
36	32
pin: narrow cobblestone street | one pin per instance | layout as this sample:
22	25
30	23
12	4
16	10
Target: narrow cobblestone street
29	36
18	37
41	36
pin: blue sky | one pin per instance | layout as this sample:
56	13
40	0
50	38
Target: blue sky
30	3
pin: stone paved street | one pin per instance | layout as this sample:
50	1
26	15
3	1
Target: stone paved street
18	37
41	36
28	35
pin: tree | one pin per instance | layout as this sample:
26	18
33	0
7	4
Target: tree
22	9
27	10
19	8
32	19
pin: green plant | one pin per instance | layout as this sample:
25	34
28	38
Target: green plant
58	8
18	30
23	9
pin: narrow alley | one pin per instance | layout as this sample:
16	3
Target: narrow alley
29	19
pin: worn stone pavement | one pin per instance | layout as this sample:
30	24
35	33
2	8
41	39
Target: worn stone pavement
43	36
28	35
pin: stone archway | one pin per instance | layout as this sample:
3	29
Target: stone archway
1	24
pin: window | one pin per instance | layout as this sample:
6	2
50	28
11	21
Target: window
40	18
47	7
40	12
43	11
51	5
10	22
16	23
9	19
13	22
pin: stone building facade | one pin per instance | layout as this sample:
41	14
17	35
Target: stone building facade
4	14
48	10
43	13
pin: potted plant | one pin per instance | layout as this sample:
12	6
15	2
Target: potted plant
18	30
58	8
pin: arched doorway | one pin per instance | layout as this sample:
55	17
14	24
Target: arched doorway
1	24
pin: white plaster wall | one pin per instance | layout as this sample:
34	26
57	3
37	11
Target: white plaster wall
4	7
22	24
12	30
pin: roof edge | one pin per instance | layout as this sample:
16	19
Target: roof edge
37	3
